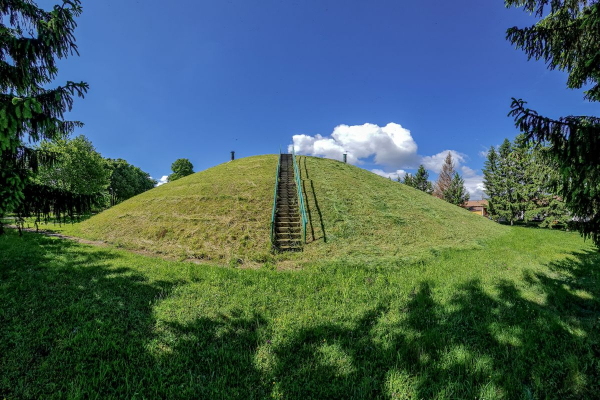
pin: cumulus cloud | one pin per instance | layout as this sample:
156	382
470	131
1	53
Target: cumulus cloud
473	182
390	145
162	180
394	175
434	163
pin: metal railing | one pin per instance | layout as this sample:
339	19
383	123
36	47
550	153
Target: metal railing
275	200
300	195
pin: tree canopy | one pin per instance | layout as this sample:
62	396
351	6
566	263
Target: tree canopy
78	168
31	41
181	167
520	183
456	193
127	180
566	37
420	180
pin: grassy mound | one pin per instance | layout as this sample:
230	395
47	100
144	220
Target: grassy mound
223	214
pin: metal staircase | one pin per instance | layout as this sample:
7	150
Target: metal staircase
288	222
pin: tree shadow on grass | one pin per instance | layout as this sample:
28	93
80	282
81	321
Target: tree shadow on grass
477	345
72	326
312	203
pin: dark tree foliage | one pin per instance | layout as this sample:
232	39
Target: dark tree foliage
491	171
543	204
181	167
567	37
419	181
126	180
456	193
31	42
503	177
520	183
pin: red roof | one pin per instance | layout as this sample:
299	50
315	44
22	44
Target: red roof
476	203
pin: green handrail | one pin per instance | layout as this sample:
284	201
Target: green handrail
300	195
275	199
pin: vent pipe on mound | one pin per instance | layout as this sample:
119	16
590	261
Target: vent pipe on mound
344	155
232	155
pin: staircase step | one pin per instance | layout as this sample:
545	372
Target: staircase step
288	226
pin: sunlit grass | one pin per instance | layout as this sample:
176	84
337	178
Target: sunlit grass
517	317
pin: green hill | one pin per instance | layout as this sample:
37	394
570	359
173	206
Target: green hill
224	213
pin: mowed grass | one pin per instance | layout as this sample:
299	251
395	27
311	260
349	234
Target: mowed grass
517	317
223	215
218	214
355	213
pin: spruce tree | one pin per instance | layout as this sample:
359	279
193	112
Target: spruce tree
445	177
567	38
505	203
491	180
408	180
31	41
421	180
544	202
456	193
520	180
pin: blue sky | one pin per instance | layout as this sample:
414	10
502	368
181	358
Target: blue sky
197	79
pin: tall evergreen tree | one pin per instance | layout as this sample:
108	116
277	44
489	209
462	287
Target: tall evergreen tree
520	181
567	38
407	180
421	180
505	203
540	191
445	177
456	193
491	179
31	42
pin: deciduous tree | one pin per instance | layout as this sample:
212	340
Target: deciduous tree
78	168
181	167
127	180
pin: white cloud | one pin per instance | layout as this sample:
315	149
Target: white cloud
394	175
390	145
473	182
434	163
162	180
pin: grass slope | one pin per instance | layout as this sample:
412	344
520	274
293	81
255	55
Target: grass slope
215	214
224	214
515	318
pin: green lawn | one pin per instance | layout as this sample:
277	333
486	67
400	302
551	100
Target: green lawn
518	317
